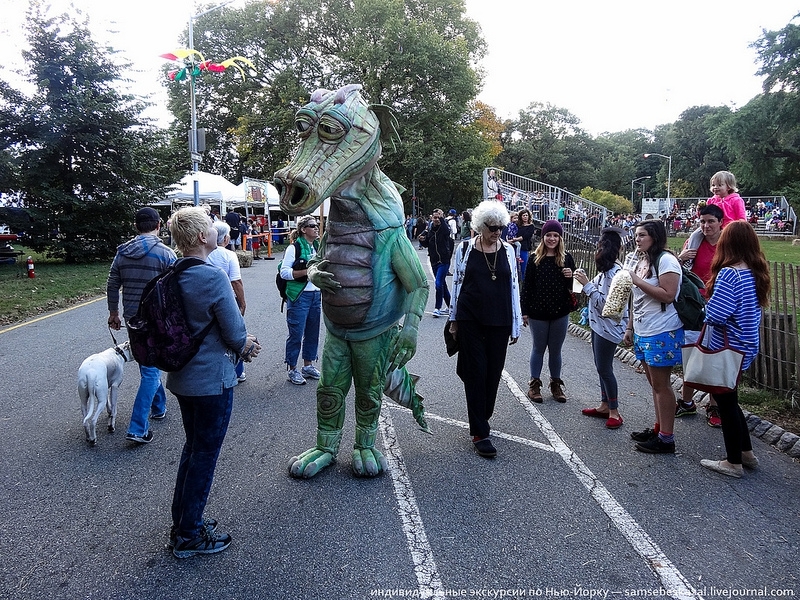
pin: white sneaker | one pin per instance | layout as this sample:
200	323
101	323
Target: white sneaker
445	311
311	372
295	377
242	377
436	313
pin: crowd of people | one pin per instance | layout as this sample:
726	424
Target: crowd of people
507	275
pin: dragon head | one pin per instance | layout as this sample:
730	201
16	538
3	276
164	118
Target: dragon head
340	142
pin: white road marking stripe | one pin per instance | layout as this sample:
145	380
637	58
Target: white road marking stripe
430	583
464	425
674	583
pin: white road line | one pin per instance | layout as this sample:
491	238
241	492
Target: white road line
464	425
673	582
430	583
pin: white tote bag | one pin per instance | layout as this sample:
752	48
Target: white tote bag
712	371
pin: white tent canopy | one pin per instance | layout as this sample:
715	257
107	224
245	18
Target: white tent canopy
215	189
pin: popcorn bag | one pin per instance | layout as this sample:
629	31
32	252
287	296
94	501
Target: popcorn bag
618	294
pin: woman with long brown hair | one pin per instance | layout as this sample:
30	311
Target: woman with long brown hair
739	289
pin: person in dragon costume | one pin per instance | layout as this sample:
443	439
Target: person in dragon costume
367	269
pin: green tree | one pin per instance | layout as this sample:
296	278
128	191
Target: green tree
546	143
697	150
614	202
416	57
83	160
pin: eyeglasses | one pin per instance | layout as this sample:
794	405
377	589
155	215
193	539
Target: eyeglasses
494	228
315	226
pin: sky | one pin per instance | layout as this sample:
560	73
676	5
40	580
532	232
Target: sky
614	64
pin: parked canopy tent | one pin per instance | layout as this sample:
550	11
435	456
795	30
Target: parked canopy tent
213	189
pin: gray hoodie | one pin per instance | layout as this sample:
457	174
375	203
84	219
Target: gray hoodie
137	261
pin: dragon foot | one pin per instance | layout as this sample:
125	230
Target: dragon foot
368	462
310	462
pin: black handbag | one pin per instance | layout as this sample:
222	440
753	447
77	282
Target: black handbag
450	342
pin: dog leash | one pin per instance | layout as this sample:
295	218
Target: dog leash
116	345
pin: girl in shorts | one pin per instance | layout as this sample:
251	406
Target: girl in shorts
656	330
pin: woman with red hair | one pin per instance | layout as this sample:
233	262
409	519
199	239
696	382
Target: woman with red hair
739	289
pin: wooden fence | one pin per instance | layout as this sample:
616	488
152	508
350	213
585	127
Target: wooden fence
777	367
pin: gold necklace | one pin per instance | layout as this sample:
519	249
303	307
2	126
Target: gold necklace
493	267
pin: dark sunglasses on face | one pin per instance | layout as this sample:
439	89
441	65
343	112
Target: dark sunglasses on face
314	225
494	228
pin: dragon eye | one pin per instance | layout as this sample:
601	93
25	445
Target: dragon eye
304	122
332	127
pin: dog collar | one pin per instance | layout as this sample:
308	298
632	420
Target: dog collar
120	352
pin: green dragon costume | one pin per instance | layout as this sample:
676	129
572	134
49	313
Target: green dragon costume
367	269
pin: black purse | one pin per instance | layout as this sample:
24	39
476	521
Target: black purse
450	343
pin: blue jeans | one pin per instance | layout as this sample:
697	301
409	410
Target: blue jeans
550	336
205	421
523	254
603	351
442	293
302	317
150	398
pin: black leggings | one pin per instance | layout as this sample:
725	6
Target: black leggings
734	426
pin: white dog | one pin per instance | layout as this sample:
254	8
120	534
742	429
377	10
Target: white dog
99	376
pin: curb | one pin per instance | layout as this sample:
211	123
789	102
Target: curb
774	435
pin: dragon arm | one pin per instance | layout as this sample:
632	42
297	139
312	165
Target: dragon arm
317	270
410	273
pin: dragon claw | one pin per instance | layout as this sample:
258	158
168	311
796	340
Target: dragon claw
309	463
368	462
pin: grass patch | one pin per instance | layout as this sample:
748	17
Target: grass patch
778	251
55	286
769	407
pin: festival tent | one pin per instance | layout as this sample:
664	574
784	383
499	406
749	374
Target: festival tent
213	189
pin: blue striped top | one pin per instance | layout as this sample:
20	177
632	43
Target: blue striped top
734	304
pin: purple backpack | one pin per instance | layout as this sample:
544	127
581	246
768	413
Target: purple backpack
159	333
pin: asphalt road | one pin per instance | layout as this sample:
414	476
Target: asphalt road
568	509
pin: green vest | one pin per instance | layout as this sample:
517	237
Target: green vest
295	287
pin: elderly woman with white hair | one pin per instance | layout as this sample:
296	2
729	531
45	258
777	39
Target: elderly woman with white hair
485	313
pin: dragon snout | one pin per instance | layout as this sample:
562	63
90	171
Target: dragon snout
295	196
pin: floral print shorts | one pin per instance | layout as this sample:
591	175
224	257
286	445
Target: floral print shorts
662	350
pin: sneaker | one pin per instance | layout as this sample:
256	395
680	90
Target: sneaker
684	410
242	377
208	523
436	313
140	439
311	372
485	448
712	416
444	311
655	446
643	436
208	542
295	377
158	416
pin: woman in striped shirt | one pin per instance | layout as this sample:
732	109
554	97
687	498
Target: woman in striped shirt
739	288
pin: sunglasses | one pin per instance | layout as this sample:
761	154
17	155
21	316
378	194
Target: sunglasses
315	226
494	228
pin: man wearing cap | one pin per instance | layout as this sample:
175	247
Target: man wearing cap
138	261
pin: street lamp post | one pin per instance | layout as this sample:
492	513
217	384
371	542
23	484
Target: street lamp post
669	172
195	148
634	181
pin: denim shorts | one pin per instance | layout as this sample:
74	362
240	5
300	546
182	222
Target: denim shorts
662	350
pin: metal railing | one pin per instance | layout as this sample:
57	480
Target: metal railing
543	200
